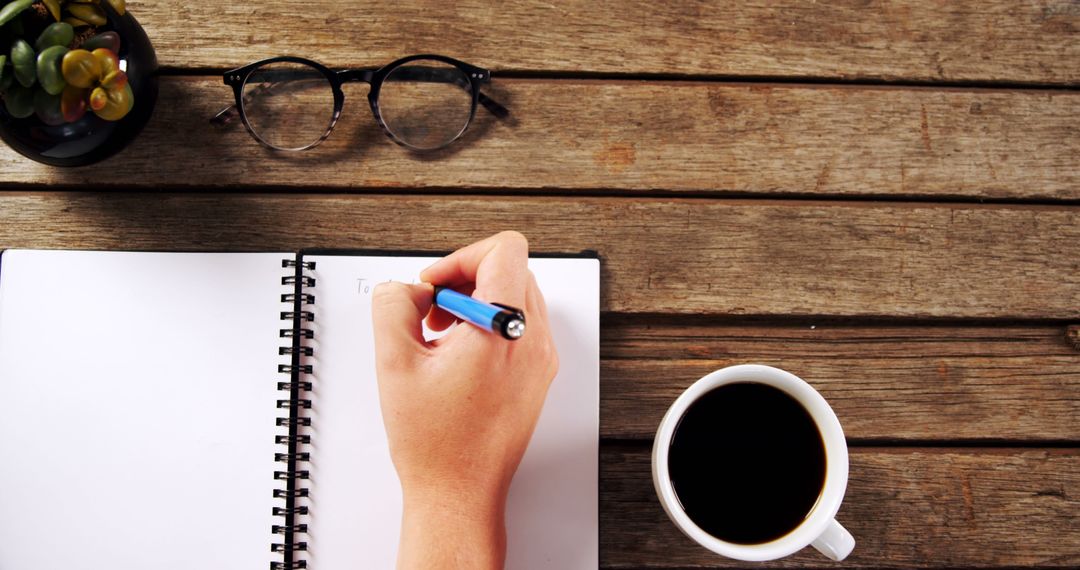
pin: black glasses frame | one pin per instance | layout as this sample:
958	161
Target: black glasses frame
477	76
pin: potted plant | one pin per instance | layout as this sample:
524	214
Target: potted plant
78	79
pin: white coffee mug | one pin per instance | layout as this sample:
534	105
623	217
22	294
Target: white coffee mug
820	528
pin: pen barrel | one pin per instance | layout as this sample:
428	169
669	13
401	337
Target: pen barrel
484	315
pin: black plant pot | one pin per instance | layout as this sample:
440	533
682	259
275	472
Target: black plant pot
91	138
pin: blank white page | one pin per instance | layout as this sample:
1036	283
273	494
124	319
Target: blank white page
552	520
139	394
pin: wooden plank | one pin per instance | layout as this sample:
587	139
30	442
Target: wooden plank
682	256
969	40
923	383
621	135
907	508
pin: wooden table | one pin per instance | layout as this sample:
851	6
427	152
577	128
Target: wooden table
881	197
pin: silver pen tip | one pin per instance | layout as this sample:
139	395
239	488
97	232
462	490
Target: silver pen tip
515	328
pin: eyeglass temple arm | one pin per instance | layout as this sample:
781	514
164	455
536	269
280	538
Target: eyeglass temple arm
225	116
230	113
494	107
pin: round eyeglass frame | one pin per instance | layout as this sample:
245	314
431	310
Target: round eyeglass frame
238	78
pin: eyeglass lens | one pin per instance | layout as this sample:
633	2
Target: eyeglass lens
426	103
288	105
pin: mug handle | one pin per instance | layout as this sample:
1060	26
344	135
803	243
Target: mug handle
835	543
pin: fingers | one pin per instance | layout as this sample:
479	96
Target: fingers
438	319
535	308
497	265
397	311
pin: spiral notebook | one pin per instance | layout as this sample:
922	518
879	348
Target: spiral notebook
220	410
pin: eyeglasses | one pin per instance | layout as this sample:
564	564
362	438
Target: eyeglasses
422	102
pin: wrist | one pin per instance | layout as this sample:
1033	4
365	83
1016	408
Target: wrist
468	504
472	488
448	529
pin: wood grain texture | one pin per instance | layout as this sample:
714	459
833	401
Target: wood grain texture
675	265
969	40
621	135
679	256
906	508
924	383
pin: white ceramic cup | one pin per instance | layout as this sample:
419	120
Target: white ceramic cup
820	528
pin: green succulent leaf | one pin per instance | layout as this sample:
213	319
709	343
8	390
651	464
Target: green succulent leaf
91	13
19	101
57	34
22	59
12	9
47	108
107	40
48	69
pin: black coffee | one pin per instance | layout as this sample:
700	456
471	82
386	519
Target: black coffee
747	463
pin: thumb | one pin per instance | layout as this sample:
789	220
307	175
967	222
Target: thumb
397	312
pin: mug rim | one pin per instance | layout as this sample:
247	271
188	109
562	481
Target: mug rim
836	462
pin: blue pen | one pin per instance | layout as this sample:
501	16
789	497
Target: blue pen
494	317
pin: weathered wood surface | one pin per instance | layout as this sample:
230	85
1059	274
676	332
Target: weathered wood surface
907	508
678	256
969	40
660	256
653	136
674	267
921	383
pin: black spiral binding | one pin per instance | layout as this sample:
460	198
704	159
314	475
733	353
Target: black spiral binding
293	457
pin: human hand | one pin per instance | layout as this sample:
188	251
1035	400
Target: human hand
459	412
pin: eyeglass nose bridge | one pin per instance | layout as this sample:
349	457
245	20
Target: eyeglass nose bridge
356	75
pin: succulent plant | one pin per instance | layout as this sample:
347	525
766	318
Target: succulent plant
62	74
12	9
79	13
94	79
56	34
22	60
19	101
48	69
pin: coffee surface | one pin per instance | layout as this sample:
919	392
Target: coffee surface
747	463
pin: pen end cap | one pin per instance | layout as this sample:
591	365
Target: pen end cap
515	329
